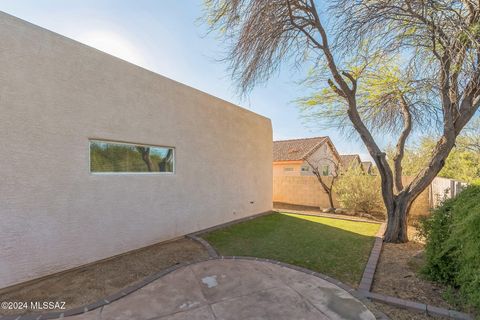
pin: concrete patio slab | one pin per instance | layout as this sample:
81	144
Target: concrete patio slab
234	289
176	292
202	313
333	301
92	315
277	303
222	279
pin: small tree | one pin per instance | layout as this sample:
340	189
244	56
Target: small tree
359	191
327	187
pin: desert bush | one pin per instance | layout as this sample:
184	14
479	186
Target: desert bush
358	191
453	245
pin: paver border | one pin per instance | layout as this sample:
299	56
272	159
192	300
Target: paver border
367	277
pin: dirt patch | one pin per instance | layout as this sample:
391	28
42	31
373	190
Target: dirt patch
96	281
397	274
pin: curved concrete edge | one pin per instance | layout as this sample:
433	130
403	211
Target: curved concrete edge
128	290
210	249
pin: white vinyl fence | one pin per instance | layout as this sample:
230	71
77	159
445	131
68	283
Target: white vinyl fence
442	189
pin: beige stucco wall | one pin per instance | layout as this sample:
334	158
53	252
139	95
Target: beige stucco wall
301	190
55	94
323	156
422	205
279	169
307	191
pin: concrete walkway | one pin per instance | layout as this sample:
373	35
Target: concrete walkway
234	289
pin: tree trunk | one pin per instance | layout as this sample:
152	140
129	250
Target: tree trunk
330	198
145	153
148	162
397	217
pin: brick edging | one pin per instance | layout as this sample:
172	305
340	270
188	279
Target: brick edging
367	277
417	306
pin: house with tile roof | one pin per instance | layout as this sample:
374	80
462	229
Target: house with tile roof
289	156
350	160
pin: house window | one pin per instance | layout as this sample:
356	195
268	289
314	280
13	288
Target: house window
288	169
326	170
112	157
304	169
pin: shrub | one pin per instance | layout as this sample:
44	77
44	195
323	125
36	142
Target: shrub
359	191
453	245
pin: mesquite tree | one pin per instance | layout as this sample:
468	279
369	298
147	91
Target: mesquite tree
316	165
430	46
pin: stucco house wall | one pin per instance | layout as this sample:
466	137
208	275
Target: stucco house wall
55	95
287	168
323	156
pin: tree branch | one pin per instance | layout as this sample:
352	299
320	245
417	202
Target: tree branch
400	147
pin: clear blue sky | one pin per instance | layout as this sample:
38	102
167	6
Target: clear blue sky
166	37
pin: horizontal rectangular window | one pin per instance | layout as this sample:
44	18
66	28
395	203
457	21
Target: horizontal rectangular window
288	169
110	157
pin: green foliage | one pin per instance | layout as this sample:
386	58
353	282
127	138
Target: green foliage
453	245
462	163
383	87
339	248
359	191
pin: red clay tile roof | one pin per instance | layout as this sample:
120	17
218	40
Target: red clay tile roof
350	159
296	149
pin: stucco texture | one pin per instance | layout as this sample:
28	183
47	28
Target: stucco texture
55	95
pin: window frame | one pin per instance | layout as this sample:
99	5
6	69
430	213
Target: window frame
90	140
327	167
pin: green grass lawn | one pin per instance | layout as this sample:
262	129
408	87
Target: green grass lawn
338	248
